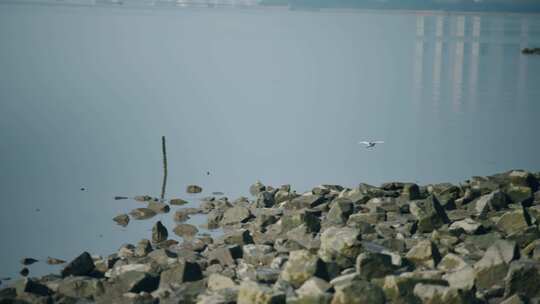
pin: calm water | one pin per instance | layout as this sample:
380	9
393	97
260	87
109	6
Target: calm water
247	94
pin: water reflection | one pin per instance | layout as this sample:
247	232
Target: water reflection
450	50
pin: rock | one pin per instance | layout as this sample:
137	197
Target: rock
253	293
177	202
411	192
54	261
119	270
80	266
301	266
28	261
217	282
314	290
451	262
183	271
24	272
144	247
143	198
467	225
370	265
516	299
340	212
142	213
159	233
225	256
237	237
519	195
193	189
81	287
27	285
159	207
122	219
186	231
256	188
305	201
236	214
522	278
180	216
493	266
295	219
463	278
493	201
358	292
340	245
436	294
425	253
400	289
264	200
514	221
302	236
429	213
258	254
135	281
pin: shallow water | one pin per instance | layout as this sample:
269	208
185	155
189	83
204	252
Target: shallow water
247	94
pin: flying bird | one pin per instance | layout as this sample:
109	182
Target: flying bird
371	144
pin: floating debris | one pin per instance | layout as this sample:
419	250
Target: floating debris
54	261
24	272
217	193
28	261
142	213
120	198
193	189
177	202
122	219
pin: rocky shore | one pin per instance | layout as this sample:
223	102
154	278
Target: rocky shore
476	242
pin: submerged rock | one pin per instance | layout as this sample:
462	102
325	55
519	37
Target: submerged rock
178	202
122	219
193	189
142	213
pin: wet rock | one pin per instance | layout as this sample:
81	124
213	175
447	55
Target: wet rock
144	247
186	230
258	254
142	213
180	216
358	292
256	188
178	202
340	245
493	266
370	265
234	215
193	189
522	278
122	219
183	271
425	253
429	213
159	207
28	261
54	261
81	287
514	221
301	266
253	293
159	232
80	266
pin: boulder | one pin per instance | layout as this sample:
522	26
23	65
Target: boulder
181	272
178	202
301	266
142	213
193	189
159	233
256	188
425	253
437	294
493	201
225	256
358	292
467	225
493	266
186	231
295	219
264	199
81	287
258	254
135	281
122	219
340	245
370	265
514	221
235	215
339	212
159	207
313	291
253	293
429	213
144	247
31	286
520	194
80	266
217	282
522	278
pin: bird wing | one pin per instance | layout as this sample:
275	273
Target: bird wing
378	142
364	142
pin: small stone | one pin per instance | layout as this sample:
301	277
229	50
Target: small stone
192	189
80	266
142	213
159	233
236	214
54	261
122	219
143	198
177	202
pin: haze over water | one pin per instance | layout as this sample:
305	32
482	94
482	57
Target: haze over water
248	94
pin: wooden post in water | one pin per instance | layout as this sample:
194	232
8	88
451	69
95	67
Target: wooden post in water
164	153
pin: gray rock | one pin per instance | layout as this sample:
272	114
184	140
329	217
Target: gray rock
81	287
253	293
159	233
144	247
305	201
237	237
339	212
258	254
178	202
122	219
159	207
493	266
135	281
425	253
493	201
142	213
429	213
265	199
80	266
522	278
340	245
31	286
519	194
371	265
256	188
236	214
294	219
217	282
214	218
467	225
180	216
358	292
437	294
301	266
514	221
183	271
225	256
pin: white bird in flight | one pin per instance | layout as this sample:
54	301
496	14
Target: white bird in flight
371	144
